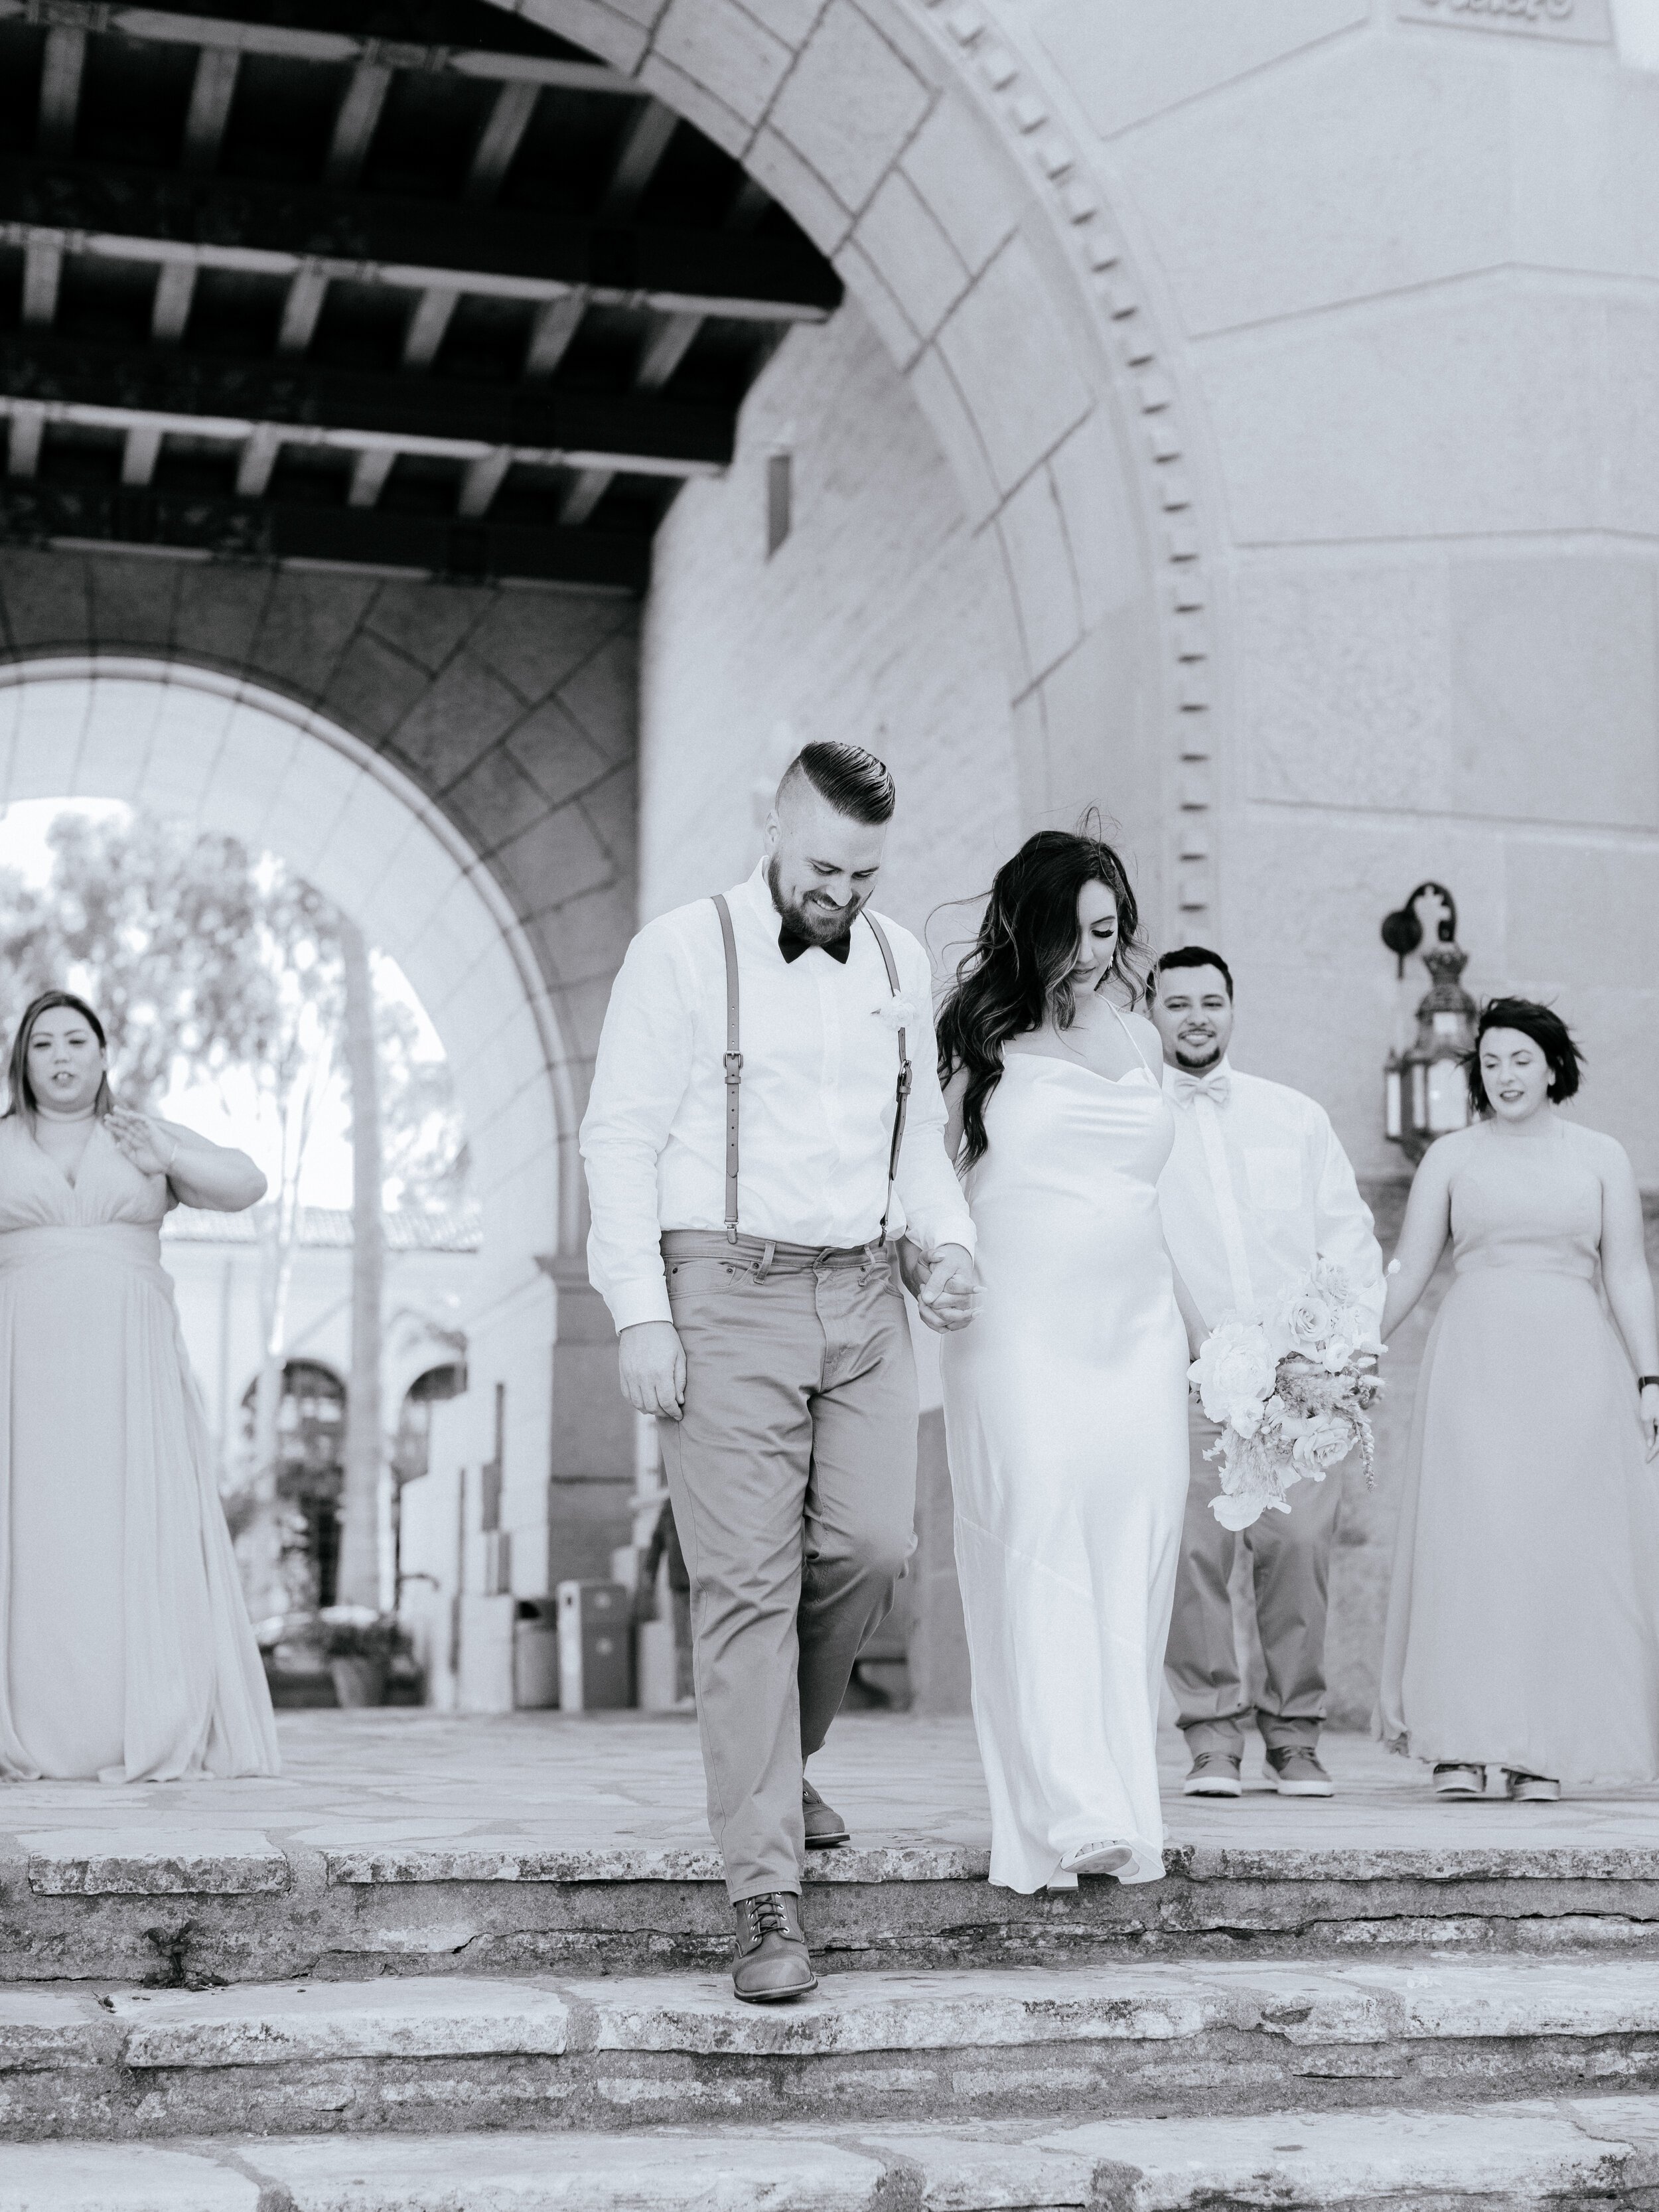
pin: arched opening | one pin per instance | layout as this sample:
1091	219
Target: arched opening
191	745
310	1472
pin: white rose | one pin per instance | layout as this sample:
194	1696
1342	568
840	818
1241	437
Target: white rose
1235	1371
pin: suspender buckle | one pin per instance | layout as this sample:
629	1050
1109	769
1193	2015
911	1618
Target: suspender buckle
733	1070
906	1079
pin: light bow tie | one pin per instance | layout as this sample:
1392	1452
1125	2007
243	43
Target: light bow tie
1217	1088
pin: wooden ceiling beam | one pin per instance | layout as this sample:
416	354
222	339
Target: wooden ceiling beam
43	272
114	386
35	511
645	141
329	48
212	90
278	230
355	123
61	70
499	142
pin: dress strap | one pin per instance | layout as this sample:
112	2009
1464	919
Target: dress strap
1138	1054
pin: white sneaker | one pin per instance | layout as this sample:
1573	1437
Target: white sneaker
1296	1772
1215	1774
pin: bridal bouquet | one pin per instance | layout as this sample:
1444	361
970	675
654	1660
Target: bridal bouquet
1292	1388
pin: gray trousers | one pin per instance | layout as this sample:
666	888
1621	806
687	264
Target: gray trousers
794	1479
1290	1566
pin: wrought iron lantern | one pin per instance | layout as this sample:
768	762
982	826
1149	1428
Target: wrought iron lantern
1425	1089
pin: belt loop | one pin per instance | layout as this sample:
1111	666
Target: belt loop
763	1265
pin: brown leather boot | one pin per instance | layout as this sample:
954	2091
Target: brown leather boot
825	1829
771	1961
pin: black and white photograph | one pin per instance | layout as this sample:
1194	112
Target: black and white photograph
829	1176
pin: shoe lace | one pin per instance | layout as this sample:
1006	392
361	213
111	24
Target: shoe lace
768	1915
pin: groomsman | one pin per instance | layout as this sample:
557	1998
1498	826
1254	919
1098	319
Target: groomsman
1257	1189
765	1123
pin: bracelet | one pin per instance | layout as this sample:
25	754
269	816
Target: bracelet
1642	1381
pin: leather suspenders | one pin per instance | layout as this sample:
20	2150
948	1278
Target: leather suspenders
735	1067
733	1064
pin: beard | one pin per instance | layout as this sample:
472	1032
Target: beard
1197	1059
820	924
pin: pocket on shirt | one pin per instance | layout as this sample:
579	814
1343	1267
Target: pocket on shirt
1274	1175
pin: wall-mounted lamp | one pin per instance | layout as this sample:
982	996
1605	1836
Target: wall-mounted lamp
1424	1092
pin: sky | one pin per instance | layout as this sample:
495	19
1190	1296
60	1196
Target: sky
227	1114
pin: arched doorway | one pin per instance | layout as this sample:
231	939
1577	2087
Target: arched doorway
191	744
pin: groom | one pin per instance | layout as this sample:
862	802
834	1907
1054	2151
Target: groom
765	1121
1256	1190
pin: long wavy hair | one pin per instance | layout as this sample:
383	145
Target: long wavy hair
1019	971
22	1100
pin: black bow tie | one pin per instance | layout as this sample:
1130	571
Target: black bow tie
792	944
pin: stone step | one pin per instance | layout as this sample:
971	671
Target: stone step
1590	2150
241	1908
454	2052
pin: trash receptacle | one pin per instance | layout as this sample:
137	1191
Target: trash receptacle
595	1647
536	1653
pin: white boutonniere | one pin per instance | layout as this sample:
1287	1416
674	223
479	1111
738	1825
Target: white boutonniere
897	1014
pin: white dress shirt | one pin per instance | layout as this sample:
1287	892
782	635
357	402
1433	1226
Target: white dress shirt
820	1069
1256	1190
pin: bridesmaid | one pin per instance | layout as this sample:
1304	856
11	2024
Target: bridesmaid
125	1651
1523	1616
1066	1401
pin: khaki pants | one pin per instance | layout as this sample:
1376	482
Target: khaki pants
792	1475
1291	1566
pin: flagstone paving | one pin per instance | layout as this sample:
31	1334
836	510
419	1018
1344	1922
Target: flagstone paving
628	1781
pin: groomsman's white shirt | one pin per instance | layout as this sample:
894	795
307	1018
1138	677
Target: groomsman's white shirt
1255	1191
820	1065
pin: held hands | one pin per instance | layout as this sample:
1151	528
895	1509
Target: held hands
1651	1420
651	1365
151	1151
942	1286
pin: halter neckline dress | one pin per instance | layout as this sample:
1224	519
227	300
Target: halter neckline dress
1066	1418
126	1649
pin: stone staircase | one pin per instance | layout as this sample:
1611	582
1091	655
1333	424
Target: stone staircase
187	2027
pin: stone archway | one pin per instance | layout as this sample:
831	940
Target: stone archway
501	721
231	756
933	161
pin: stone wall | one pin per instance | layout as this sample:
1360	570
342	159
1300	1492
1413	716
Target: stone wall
875	622
1412	306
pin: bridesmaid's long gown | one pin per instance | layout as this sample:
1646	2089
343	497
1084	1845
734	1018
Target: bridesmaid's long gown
1523	1614
1066	1414
126	1650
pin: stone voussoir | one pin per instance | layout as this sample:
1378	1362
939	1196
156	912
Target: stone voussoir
451	2053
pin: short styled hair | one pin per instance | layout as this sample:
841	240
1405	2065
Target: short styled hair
1193	956
1547	1031
854	782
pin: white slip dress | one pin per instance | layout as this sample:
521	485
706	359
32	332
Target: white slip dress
1066	1416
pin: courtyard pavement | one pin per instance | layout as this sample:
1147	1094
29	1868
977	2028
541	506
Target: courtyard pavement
590	1781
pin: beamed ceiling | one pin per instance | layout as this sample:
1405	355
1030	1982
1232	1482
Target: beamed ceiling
399	284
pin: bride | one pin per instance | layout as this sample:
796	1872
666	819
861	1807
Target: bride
1065	1402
